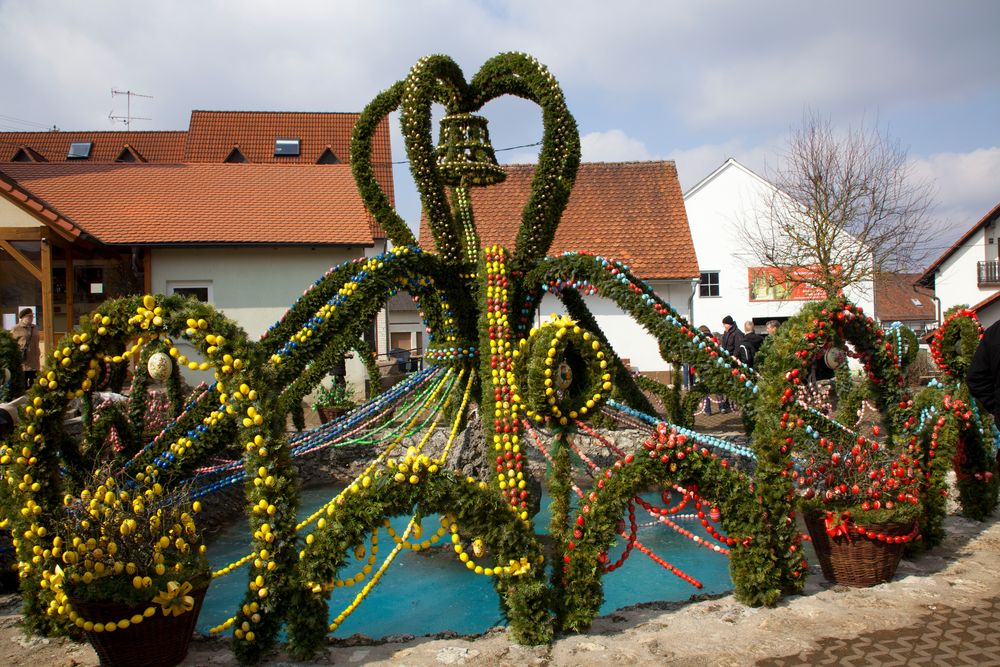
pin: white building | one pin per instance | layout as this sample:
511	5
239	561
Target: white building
247	239
969	271
244	210
731	281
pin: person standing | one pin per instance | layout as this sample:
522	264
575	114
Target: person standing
983	375
751	344
766	343
732	336
705	331
26	334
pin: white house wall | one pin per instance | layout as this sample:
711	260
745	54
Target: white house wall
716	210
253	286
627	336
12	215
989	314
956	280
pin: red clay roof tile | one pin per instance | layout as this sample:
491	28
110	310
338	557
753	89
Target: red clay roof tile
202	203
16	192
212	136
156	146
899	298
627	211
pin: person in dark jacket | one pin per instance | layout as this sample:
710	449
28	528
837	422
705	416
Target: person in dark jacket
984	371
747	351
731	340
984	374
732	336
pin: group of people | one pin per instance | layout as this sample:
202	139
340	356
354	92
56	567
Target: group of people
743	345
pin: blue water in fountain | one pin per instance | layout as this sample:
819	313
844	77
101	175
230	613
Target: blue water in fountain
426	593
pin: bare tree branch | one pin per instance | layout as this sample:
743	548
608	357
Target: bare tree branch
847	208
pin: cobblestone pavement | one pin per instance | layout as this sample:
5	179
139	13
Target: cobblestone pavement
943	636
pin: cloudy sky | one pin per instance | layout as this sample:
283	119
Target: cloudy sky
695	82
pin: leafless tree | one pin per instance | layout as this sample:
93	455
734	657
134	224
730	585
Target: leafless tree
846	209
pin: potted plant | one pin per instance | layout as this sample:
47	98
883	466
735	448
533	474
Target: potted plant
861	506
130	571
333	402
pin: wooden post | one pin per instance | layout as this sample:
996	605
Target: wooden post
25	263
147	270
47	305
70	287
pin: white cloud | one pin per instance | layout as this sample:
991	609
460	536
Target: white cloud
716	79
612	146
967	187
694	164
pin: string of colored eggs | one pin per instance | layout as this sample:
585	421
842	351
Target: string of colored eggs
417	533
620	412
334	431
459	417
401	432
595	471
364	478
375	578
513	568
509	466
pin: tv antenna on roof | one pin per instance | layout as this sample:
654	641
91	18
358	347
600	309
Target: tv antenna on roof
128	117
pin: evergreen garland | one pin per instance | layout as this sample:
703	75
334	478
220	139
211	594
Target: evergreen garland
666	458
10	361
479	511
954	343
625	385
679	342
374	198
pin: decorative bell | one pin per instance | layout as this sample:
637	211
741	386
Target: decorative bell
464	153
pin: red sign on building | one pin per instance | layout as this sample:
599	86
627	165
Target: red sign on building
772	284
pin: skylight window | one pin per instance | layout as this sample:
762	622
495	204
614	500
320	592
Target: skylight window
79	150
286	147
915	301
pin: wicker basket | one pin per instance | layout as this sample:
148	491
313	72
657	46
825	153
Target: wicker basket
857	561
159	641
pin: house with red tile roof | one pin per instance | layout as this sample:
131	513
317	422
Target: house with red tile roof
969	271
730	281
627	211
899	299
85	216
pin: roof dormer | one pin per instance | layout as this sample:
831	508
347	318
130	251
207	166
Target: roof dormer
236	156
129	154
328	157
26	154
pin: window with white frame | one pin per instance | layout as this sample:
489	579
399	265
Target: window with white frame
709	285
199	289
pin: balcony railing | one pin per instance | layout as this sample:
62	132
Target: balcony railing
988	273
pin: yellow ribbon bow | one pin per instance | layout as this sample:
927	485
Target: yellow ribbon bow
175	600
